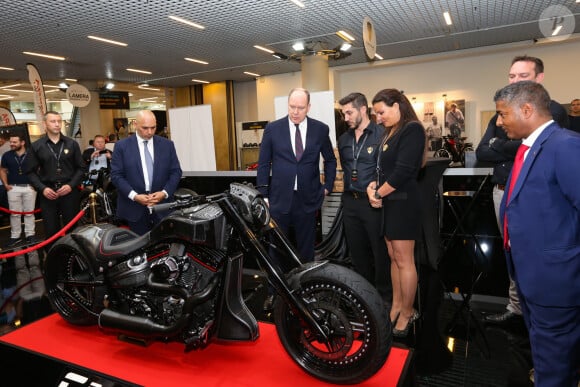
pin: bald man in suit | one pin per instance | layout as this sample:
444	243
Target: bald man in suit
136	190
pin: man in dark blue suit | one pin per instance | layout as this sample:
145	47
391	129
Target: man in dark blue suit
540	214
291	181
138	186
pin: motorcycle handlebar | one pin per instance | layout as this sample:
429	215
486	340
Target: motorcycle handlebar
164	206
180	203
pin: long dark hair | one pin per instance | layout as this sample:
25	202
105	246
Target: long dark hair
391	96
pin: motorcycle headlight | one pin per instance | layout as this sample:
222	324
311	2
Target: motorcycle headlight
260	211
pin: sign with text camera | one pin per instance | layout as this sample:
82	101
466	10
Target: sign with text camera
78	95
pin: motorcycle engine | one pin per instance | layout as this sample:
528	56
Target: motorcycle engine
157	289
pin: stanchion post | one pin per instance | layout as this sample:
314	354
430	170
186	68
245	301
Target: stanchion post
93	205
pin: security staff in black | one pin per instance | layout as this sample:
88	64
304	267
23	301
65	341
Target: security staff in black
358	149
55	168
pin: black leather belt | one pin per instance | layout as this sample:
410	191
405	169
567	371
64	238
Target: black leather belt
357	194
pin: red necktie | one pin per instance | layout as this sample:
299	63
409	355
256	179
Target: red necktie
298	143
517	167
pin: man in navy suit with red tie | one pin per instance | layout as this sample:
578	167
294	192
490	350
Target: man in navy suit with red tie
146	171
290	178
540	212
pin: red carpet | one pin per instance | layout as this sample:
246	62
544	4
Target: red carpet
263	363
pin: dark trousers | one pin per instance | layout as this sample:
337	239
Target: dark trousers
145	223
3	198
555	340
304	225
366	244
66	207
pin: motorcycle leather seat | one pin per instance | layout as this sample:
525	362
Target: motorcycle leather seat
116	242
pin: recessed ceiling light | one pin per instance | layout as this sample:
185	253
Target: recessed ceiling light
147	88
44	55
196	61
107	40
109	85
264	49
70	79
447	18
199	81
140	71
345	35
298	3
20	91
252	74
7	68
189	23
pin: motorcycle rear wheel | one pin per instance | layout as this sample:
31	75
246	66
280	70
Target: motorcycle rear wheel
77	304
353	316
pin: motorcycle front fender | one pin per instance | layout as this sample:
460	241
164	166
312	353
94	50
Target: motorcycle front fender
236	321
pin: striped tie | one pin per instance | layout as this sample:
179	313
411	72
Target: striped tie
298	143
148	163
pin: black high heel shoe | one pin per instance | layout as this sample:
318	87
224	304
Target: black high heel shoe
402	333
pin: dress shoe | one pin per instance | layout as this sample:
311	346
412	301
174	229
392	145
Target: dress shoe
31	240
13	242
402	333
504	318
269	303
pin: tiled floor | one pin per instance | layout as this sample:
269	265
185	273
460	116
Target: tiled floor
445	358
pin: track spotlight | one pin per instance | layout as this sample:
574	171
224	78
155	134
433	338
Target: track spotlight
63	86
299	46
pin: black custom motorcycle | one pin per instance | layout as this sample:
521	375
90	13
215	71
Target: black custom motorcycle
182	282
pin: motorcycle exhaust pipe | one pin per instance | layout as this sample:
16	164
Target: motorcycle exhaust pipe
114	322
138	327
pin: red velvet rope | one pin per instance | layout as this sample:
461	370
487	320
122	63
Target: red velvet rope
8	211
46	242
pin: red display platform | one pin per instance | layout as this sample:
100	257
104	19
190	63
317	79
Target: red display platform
262	363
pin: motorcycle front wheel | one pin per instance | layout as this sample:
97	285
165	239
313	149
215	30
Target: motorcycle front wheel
352	315
70	283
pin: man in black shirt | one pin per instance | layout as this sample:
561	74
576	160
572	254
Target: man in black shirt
497	148
55	168
358	148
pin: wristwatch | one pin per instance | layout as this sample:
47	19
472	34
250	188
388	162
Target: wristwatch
377	195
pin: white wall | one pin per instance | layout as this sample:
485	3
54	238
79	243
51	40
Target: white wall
473	75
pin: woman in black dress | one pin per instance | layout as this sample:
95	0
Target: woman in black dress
399	161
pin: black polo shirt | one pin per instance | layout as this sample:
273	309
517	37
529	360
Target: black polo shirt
14	164
363	154
49	164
